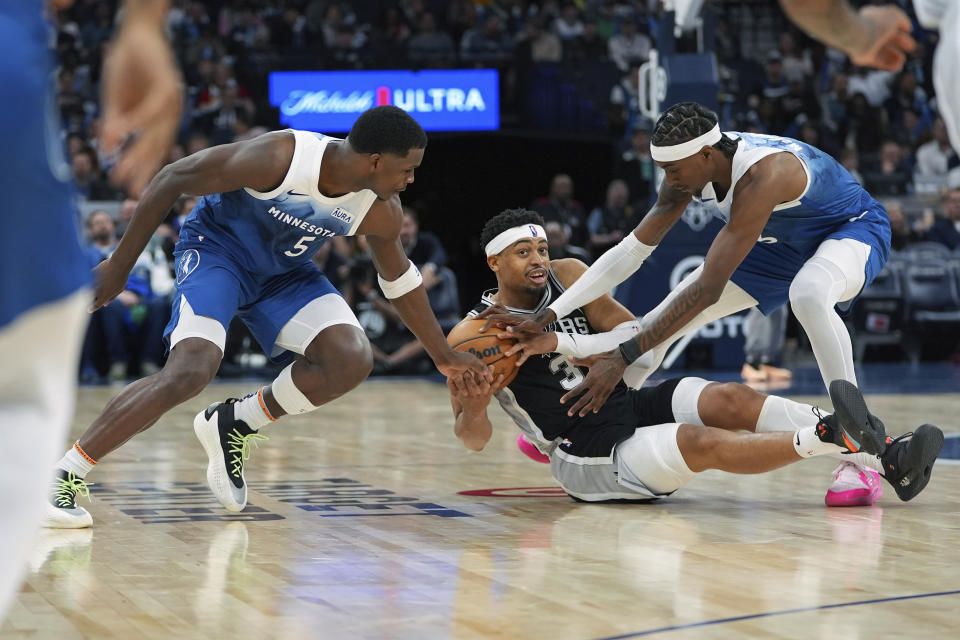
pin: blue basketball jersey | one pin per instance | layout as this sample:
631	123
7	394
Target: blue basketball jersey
272	233
832	197
40	256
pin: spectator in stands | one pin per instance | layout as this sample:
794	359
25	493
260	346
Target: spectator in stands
487	44
797	64
946	229
934	160
560	206
850	160
775	84
635	167
629	45
891	177
612	220
429	47
535	44
902	232
833	104
558	241
625	101
90	185
588	46
568	25
423	248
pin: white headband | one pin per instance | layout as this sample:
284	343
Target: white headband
686	149
514	234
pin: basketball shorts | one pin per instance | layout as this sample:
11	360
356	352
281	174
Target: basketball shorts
768	270
645	465
284	313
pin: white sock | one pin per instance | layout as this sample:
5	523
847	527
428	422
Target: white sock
780	414
807	444
253	410
76	461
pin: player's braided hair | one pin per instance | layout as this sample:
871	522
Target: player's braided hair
685	121
508	219
386	129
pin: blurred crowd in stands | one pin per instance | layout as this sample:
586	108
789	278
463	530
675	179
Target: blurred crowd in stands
882	126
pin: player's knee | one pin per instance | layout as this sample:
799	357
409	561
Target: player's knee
698	445
183	384
807	295
338	365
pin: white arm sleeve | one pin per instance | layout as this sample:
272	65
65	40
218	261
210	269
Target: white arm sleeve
579	345
610	269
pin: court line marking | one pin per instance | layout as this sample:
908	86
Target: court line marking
754	616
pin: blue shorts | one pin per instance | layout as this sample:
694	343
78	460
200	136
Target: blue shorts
769	269
216	287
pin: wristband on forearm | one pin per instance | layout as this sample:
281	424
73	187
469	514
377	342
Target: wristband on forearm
630	351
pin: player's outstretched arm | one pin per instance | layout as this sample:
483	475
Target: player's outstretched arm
469	402
260	164
875	36
613	267
775	179
402	285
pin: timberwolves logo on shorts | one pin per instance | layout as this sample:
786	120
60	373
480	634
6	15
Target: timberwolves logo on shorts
188	262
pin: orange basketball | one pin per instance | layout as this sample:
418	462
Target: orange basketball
487	346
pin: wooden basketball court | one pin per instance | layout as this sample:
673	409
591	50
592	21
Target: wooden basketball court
356	529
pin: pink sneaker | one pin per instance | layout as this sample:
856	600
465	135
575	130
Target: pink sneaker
531	451
853	486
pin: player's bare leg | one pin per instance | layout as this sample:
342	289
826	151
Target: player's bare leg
336	360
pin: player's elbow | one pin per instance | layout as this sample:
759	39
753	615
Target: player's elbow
473	440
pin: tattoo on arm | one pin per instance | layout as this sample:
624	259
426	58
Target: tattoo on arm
674	317
661	218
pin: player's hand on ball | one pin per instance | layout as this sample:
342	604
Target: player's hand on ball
459	365
111	279
520	325
531	346
606	370
474	393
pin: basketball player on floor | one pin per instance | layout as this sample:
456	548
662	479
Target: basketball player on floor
799	227
604	455
879	36
43	271
245	249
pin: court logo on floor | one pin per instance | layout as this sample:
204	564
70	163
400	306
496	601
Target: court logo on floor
343	497
176	502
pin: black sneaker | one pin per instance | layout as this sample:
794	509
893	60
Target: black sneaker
227	442
62	509
908	461
855	428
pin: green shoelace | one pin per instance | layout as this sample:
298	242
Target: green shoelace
69	488
240	447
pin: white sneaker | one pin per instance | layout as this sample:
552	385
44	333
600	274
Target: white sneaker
227	443
62	510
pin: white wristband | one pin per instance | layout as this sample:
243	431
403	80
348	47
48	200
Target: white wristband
410	280
581	345
617	264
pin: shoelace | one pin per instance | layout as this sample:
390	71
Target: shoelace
69	488
241	449
821	422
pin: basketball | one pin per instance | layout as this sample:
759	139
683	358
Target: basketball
487	346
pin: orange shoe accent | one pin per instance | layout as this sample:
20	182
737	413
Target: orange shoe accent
263	405
76	445
849	443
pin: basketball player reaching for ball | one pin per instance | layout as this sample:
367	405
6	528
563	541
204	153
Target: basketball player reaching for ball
649	442
245	249
798	227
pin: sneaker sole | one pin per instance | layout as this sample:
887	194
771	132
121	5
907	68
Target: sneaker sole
850	408
208	434
920	459
57	518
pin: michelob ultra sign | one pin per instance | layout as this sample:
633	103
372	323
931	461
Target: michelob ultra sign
330	101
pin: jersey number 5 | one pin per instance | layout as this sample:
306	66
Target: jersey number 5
300	247
572	376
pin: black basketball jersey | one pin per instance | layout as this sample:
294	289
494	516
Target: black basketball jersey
532	399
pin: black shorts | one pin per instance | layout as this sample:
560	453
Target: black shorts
654	405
